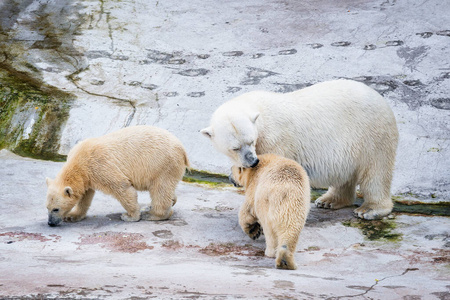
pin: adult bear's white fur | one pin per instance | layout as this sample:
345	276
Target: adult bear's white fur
342	132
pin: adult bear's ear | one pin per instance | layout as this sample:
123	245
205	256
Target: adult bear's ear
208	132
68	191
254	116
48	181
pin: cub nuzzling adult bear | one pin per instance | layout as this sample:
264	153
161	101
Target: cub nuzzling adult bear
277	198
342	132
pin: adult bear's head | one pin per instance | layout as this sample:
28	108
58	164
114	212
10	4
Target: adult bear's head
234	133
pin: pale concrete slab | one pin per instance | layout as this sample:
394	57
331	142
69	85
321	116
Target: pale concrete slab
202	252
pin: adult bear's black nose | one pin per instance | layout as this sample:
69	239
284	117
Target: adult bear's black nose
255	163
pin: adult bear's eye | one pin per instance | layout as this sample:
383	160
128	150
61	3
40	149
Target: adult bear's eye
55	210
236	149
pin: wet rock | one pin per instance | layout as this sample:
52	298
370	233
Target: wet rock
341	44
196	94
441	103
394	43
257	55
233	53
315	45
443	33
424	35
255	75
194	72
233	89
370	47
287	52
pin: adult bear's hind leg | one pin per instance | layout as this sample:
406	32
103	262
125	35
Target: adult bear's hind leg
376	190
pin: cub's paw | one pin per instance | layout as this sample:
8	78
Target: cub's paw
149	215
73	217
254	230
127	218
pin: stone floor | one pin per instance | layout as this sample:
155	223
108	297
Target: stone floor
201	252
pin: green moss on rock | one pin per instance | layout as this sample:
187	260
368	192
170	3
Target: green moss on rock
31	119
375	229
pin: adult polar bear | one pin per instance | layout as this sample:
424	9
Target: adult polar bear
342	132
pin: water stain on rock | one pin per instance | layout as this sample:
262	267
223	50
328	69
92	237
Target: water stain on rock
194	72
257	55
233	53
412	82
425	35
287	52
255	75
394	43
174	222
96	82
116	241
97	54
149	86
233	89
134	83
196	94
341	44
443	33
170	94
155	56
370	47
413	56
315	45
120	57
441	103
164	234
287	88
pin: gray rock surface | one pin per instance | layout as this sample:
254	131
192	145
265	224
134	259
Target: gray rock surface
202	253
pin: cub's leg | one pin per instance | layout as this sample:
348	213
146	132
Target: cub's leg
287	244
163	198
338	197
78	213
376	188
271	240
127	196
249	223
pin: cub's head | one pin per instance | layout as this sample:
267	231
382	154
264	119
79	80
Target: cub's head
240	176
235	135
60	201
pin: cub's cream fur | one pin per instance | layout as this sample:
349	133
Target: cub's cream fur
277	198
342	132
121	163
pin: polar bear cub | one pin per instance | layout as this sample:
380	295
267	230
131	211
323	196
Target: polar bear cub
342	132
277	198
121	163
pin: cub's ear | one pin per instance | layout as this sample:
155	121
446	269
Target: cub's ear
48	181
254	116
68	191
208	132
